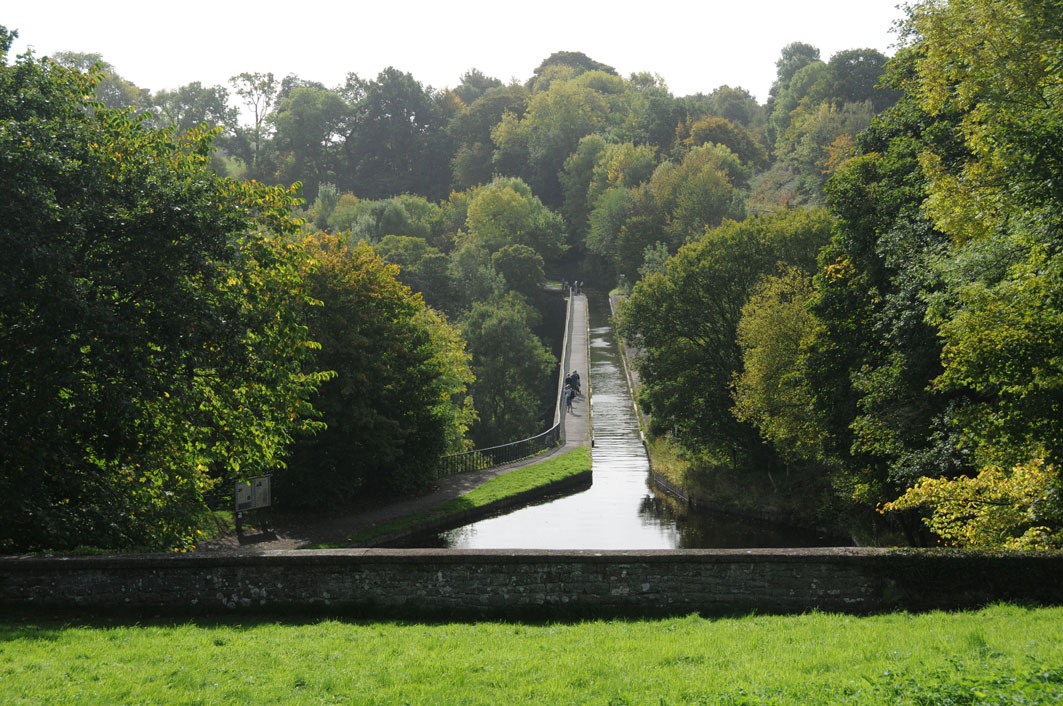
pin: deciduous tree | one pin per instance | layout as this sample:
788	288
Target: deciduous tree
686	320
150	321
398	392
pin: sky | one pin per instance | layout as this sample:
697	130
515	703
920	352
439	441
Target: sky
695	46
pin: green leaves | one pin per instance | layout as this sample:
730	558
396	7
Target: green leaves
397	399
150	326
687	318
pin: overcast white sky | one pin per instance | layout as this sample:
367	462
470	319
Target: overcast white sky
694	45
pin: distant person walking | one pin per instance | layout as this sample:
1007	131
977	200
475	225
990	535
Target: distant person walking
569	394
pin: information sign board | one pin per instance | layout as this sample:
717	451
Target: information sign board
253	494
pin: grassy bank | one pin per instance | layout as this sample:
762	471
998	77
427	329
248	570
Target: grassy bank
1004	654
493	491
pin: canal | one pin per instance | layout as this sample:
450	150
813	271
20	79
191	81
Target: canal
620	510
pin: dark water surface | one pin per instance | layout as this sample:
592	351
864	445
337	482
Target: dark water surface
619	511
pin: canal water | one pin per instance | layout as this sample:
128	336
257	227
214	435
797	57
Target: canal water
619	510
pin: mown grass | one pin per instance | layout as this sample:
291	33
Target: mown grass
499	488
1004	654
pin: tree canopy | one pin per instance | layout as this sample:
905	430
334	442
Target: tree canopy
150	331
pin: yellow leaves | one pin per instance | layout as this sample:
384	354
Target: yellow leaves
838	152
841	269
996	509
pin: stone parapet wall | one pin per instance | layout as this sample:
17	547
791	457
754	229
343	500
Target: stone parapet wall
501	583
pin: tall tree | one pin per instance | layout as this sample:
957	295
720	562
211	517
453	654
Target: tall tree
686	320
475	83
150	331
309	122
999	66
699	192
259	93
538	143
471	129
389	411
193	104
855	76
396	141
770	391
575	60
510	365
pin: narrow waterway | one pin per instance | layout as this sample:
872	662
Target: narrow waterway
619	511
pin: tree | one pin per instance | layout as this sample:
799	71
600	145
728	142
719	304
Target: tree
699	192
351	214
475	278
510	365
110	88
736	105
309	122
259	92
507	212
998	66
686	320
422	268
576	60
623	165
720	131
810	85
873	354
390	411
771	391
192	104
607	219
643	244
328	197
793	57
521	267
474	84
150	321
557	118
396	141
1018	509
652	114
855	76
818	140
575	178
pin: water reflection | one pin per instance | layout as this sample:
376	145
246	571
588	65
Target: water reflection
619	510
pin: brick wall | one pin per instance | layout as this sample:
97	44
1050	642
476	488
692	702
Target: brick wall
499	583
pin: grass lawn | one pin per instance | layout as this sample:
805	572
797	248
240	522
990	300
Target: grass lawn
1001	655
501	487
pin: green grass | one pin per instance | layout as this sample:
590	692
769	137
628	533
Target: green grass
499	488
1001	655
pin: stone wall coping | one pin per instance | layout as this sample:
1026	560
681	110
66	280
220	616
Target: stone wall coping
316	557
437	556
